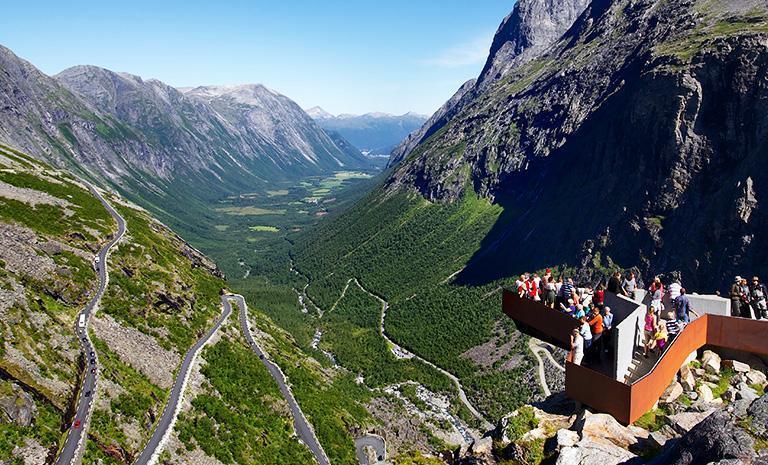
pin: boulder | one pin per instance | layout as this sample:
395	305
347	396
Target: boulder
743	391
758	412
714	439
685	421
711	362
705	393
737	366
687	380
566	438
482	448
756	377
671	394
693	395
603	428
738	408
547	422
16	405
587	451
658	439
730	394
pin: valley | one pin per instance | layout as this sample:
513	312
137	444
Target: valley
211	275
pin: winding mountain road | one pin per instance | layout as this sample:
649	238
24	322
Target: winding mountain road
164	426
73	449
462	395
303	428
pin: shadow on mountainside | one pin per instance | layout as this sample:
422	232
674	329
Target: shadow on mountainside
664	175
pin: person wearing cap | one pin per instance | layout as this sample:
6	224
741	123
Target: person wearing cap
758	294
746	307
735	295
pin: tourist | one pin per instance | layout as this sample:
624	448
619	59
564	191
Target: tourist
596	327
607	319
758	296
585	332
735	296
629	285
607	328
568	290
579	313
577	346
570	309
673	326
521	286
599	297
657	294
649	330
682	307
674	290
614	283
533	289
559	290
746	308
550	292
660	337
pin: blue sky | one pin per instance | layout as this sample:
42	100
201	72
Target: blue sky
348	57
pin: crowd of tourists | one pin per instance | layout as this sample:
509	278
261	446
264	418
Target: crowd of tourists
661	324
747	299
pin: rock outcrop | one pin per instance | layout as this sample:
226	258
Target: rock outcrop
525	34
714	439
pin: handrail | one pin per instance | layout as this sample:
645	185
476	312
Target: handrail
539	320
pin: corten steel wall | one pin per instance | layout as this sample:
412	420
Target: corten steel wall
738	333
538	320
598	391
647	390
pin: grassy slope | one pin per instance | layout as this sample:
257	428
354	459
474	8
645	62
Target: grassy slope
404	249
240	416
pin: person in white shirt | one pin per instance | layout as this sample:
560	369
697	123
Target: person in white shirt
585	332
577	346
674	290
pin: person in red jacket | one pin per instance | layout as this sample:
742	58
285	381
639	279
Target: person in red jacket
599	297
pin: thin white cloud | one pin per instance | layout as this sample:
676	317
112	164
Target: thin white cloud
470	53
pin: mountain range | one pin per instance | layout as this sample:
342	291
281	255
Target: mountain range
142	137
376	134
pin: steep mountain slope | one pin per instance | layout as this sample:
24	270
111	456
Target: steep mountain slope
264	115
373	133
639	130
526	33
157	145
670	92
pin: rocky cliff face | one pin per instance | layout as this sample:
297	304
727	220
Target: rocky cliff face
638	130
531	28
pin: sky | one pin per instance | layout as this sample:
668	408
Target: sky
347	56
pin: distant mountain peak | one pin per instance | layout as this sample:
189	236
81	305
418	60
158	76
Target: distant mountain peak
319	113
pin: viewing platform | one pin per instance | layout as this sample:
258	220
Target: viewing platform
624	384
